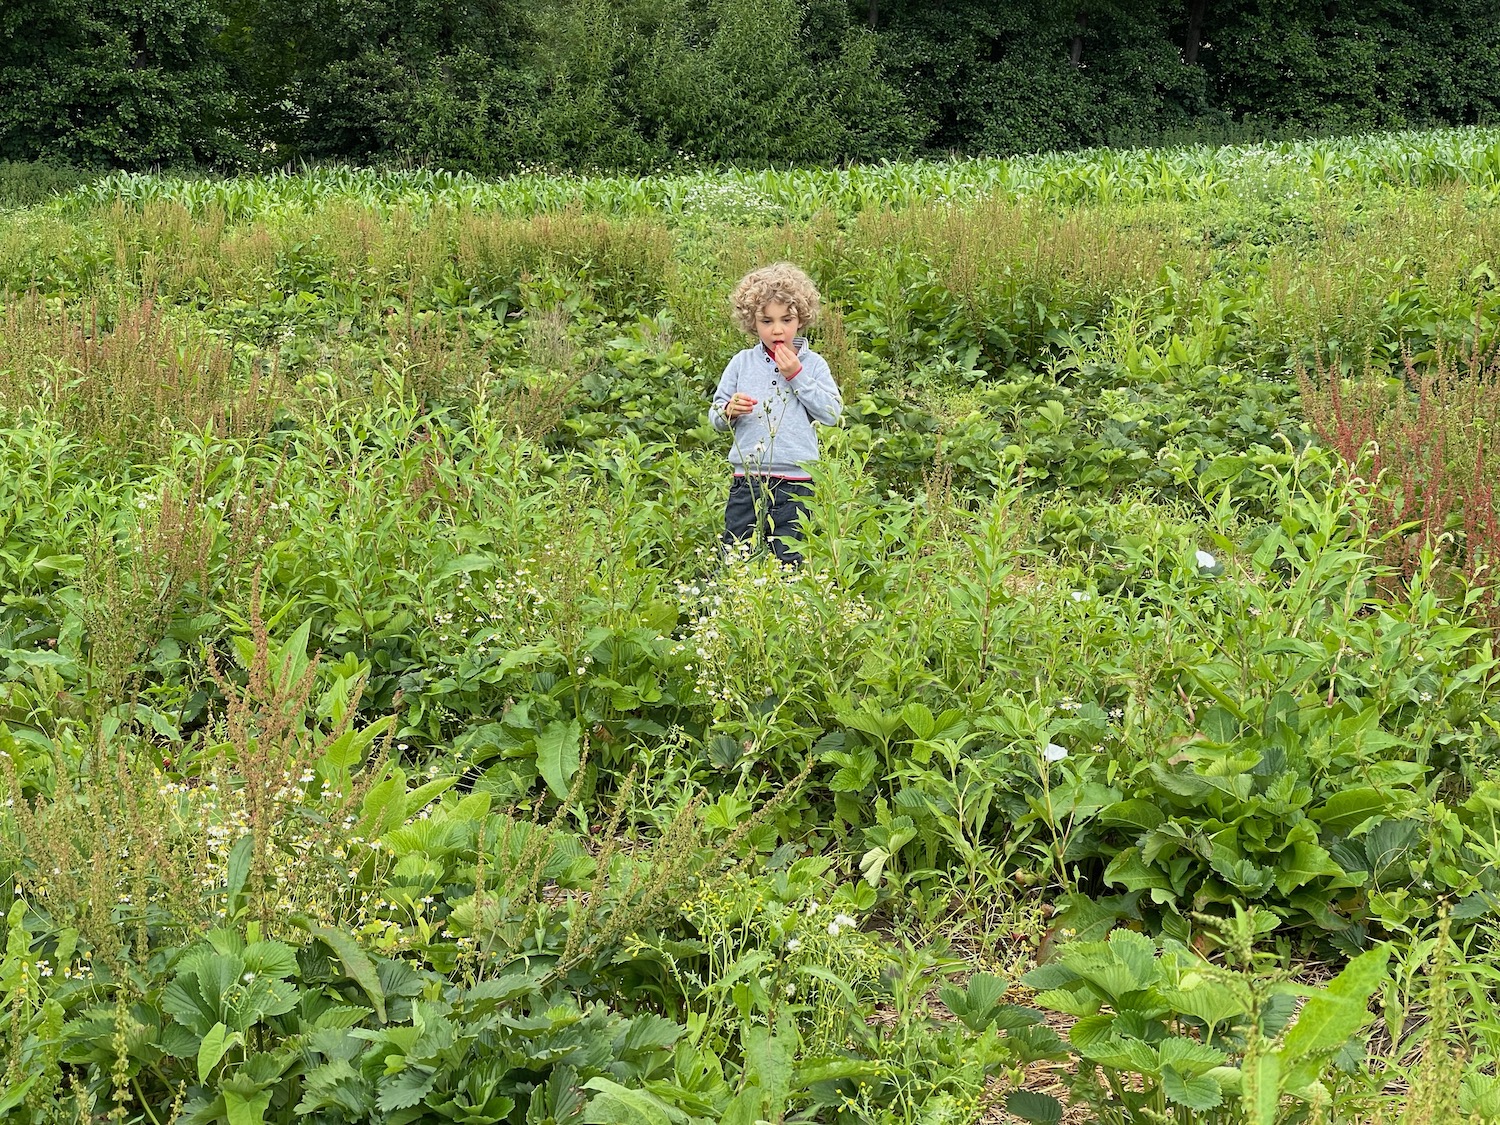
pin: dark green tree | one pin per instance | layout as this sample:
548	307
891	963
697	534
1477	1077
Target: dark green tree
1343	65
130	83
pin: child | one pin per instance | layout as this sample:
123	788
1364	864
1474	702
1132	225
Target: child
769	397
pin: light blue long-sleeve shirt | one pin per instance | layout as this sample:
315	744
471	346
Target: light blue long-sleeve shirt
777	437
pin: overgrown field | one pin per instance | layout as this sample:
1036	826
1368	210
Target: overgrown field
382	738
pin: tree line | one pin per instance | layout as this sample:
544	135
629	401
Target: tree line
490	85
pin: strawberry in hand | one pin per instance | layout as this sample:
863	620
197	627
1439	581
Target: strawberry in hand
786	360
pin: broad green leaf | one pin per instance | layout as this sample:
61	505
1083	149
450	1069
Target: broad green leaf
347	752
1138	952
270	958
240	857
1087	919
1480	1095
213	1048
650	1032
1091	1032
1347	810
339	1017
1129	871
246	1109
1134	813
356	962
1333	1014
407	1087
384	806
1142	1055
226	940
975	1004
1206	1000
465	564
1188	1057
12	1096
557	755
619	1105
1080	1002
1219	725
487	995
872	865
424	794
1111	976
1224	467
196	997
337	1085
919	719
1049	975
1038	1109
1302	863
1201	1093
1013	1017
768	1064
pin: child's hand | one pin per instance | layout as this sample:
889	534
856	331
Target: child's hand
739	405
786	360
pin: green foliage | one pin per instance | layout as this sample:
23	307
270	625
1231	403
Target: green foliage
383	738
23	184
114	84
1176	1037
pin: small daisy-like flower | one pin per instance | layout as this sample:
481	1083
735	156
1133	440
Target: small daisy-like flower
794	945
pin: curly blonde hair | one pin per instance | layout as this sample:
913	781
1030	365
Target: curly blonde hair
780	282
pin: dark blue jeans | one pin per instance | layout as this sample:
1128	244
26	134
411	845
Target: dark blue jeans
769	509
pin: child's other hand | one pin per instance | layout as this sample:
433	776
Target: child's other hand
739	405
786	360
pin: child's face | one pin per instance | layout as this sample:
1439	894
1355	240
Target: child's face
776	323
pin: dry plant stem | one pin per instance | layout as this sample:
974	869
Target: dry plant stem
124	376
1435	1093
1418	450
520	885
672	861
99	834
611	842
268	740
128	603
